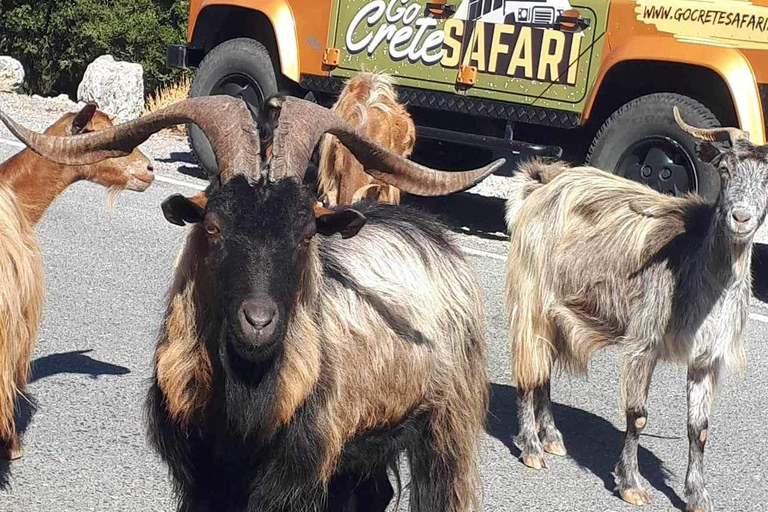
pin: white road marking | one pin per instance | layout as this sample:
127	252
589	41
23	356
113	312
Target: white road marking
174	181
483	254
158	177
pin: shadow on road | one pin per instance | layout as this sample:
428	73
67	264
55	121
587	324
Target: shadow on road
76	362
73	362
466	213
592	442
760	272
188	163
193	171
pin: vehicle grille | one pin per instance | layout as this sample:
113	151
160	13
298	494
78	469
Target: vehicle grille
543	16
764	102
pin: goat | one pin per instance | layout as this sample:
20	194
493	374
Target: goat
597	260
292	370
37	182
28	185
368	102
21	305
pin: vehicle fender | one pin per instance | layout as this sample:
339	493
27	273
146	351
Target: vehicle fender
729	63
279	14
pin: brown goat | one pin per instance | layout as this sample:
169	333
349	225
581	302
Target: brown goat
28	186
368	102
37	182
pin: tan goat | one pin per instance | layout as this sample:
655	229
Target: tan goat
28	186
368	102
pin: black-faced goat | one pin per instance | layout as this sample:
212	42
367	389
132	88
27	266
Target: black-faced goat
293	369
598	260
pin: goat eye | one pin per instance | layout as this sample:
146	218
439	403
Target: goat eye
211	229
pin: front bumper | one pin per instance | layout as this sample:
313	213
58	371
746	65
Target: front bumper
179	56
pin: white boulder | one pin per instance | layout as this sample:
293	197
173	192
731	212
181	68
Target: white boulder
117	87
11	74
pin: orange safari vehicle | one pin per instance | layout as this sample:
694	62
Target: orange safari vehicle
595	79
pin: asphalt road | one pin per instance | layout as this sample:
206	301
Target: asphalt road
107	273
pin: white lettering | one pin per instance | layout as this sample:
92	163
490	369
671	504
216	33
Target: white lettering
422	25
434	42
400	37
419	42
373	11
411	13
385	32
395	17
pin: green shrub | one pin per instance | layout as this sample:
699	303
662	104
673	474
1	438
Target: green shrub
55	40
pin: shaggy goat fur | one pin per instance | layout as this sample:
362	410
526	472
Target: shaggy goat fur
368	101
598	260
21	304
384	352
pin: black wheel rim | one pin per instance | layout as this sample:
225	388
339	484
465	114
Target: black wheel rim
243	87
661	163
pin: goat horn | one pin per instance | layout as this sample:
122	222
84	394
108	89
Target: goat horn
302	123
226	122
711	134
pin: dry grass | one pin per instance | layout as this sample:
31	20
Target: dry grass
168	95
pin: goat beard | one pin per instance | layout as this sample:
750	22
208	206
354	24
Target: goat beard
249	390
111	199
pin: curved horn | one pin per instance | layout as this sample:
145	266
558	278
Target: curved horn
302	123
226	122
711	134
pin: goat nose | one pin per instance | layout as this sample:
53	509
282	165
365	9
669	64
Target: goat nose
150	168
258	313
741	215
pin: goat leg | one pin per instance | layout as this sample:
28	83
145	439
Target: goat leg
701	391
636	380
550	436
360	492
12	447
527	439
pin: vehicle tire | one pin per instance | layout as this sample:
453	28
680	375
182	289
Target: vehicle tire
239	67
641	141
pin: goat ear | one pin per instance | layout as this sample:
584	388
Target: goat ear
707	152
348	222
82	118
179	209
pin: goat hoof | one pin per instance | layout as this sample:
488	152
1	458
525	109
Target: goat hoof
534	461
701	503
14	453
11	448
637	497
555	448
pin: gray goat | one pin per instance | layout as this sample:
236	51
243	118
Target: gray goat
597	260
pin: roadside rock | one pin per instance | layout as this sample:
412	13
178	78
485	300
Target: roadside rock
11	74
116	86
